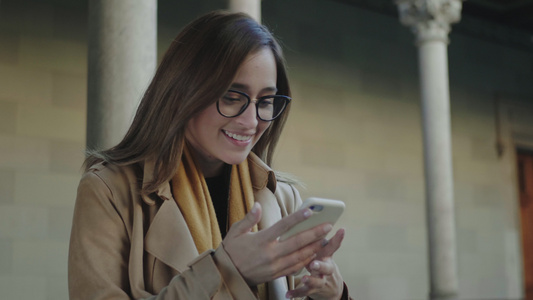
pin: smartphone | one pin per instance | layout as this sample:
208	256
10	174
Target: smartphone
323	211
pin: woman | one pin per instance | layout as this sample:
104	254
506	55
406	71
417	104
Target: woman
184	206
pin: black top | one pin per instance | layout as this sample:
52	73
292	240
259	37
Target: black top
219	191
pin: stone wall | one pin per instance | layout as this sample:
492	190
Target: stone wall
354	134
42	138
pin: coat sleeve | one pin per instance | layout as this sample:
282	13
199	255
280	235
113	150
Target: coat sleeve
99	256
98	253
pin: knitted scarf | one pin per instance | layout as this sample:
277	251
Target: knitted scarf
190	190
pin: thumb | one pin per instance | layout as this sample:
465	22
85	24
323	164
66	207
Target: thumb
248	222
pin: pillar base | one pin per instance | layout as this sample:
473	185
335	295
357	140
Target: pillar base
450	296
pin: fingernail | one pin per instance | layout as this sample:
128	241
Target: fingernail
315	265
254	208
307	213
288	295
327	228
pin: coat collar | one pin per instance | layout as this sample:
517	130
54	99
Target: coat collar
261	174
163	191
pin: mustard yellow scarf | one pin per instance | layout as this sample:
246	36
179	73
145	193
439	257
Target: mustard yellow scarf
190	190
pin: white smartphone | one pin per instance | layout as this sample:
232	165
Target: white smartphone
323	211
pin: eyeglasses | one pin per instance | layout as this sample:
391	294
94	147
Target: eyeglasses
268	108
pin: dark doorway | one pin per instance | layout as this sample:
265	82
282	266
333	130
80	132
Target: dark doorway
525	178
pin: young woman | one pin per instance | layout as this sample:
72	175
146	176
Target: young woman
186	205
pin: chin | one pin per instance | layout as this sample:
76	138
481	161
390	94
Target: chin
235	159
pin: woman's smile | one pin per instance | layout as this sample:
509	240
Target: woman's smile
237	137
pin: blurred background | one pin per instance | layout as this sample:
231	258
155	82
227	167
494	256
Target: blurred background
354	134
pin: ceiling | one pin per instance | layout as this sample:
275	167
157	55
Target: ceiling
507	22
514	13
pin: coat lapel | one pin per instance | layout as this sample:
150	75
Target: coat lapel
168	237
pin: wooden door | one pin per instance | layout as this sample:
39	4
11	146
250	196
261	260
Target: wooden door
525	177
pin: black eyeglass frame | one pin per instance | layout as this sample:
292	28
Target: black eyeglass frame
287	100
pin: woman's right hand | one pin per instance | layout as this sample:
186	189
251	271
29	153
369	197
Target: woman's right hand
260	257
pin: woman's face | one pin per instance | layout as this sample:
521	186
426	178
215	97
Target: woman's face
217	139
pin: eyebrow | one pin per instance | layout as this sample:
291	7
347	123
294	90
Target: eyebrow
241	86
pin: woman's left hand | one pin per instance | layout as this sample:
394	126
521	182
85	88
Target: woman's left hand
325	281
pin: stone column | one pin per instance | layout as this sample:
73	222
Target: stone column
251	7
121	61
430	21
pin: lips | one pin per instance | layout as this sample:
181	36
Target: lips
238	137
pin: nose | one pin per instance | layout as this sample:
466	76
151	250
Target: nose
249	117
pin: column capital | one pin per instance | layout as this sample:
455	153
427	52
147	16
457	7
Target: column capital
429	19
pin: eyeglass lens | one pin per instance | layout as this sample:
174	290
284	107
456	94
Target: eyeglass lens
234	103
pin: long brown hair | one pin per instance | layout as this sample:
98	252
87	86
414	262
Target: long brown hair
196	70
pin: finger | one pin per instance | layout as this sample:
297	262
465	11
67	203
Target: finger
296	261
314	283
302	291
250	220
305	238
286	223
332	245
321	268
292	270
310	286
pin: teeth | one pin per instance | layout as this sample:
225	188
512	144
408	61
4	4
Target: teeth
238	137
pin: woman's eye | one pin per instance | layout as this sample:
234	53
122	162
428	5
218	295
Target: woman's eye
228	98
266	103
232	97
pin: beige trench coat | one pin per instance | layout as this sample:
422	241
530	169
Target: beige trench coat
125	246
